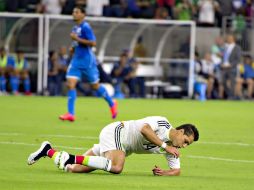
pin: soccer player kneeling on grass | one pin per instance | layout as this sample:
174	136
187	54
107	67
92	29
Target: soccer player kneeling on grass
120	139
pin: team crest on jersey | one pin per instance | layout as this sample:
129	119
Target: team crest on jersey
78	31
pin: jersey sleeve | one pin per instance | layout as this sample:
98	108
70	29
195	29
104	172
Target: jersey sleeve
87	32
154	122
173	162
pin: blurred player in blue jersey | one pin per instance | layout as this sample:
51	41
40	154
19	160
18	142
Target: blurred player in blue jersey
21	72
83	63
7	63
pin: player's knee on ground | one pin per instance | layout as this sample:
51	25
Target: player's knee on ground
116	169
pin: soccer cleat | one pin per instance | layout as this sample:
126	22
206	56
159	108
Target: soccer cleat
64	160
113	109
67	116
41	152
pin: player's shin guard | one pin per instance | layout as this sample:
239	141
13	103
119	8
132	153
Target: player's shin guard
72	95
102	92
97	162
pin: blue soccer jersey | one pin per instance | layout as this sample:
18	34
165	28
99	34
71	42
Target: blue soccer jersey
83	54
83	61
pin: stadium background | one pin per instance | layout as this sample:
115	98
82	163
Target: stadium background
223	159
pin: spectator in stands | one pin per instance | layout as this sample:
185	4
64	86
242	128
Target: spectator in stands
250	8
31	6
161	13
133	9
2	5
217	55
217	50
238	4
68	7
168	5
81	3
183	10
207	9
225	9
141	8
21	73
17	5
200	83
63	60
6	70
246	77
139	52
95	7
147	8
239	26
184	50
207	69
231	58
51	6
104	77
116	8
53	71
122	72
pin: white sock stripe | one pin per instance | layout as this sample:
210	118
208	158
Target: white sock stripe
109	165
106	167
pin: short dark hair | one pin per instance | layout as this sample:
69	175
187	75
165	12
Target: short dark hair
81	8
189	130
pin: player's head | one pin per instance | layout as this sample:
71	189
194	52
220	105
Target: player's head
78	13
185	135
230	38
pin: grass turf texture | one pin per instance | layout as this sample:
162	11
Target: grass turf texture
27	121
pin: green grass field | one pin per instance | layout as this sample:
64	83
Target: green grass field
222	159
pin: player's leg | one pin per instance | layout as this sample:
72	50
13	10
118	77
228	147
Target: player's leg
238	87
2	80
45	150
27	83
14	80
112	162
250	84
73	75
117	158
92	75
77	168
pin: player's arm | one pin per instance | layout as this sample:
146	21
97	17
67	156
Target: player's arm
150	135
82	41
171	172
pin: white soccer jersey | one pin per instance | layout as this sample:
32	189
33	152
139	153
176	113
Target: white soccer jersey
134	142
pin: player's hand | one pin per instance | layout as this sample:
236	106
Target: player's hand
172	150
157	171
73	36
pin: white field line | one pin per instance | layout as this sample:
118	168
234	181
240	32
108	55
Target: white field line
50	135
71	136
96	138
220	159
84	148
226	143
38	145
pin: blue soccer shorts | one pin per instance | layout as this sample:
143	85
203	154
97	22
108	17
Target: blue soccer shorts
91	73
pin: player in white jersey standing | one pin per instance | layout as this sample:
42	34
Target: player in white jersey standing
120	139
